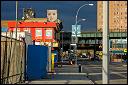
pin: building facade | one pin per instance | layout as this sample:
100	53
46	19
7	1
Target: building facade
42	32
117	16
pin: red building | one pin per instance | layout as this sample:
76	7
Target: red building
41	31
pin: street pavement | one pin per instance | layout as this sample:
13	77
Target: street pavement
91	74
67	74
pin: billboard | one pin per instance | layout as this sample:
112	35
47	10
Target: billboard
52	15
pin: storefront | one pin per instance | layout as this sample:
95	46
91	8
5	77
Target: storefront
118	50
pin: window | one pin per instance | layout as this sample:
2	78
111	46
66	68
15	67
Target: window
38	32
125	12
118	21
125	9
125	17
114	13
121	13
117	4
114	21
117	9
121	18
125	3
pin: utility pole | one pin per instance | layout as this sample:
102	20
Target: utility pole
105	67
16	17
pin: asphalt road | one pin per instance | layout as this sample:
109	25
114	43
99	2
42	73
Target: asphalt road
118	71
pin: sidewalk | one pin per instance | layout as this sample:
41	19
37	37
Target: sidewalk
67	74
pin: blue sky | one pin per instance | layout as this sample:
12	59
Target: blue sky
66	12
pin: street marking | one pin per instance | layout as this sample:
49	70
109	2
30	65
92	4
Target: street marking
85	73
124	65
94	67
61	82
69	73
110	72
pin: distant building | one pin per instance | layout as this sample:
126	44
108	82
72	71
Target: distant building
117	16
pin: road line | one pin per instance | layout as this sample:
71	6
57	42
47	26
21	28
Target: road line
69	73
110	73
85	73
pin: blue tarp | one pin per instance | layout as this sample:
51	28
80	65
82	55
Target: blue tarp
37	58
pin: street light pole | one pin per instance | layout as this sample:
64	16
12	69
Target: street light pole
76	28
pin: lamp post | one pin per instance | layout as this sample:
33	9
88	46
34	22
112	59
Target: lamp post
76	27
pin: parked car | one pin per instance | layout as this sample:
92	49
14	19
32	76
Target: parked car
83	56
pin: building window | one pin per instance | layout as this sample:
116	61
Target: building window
125	17
117	4
118	21
118	9
121	18
121	13
125	12
125	9
114	21
114	13
125	3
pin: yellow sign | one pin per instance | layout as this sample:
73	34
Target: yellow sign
55	44
125	50
100	53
